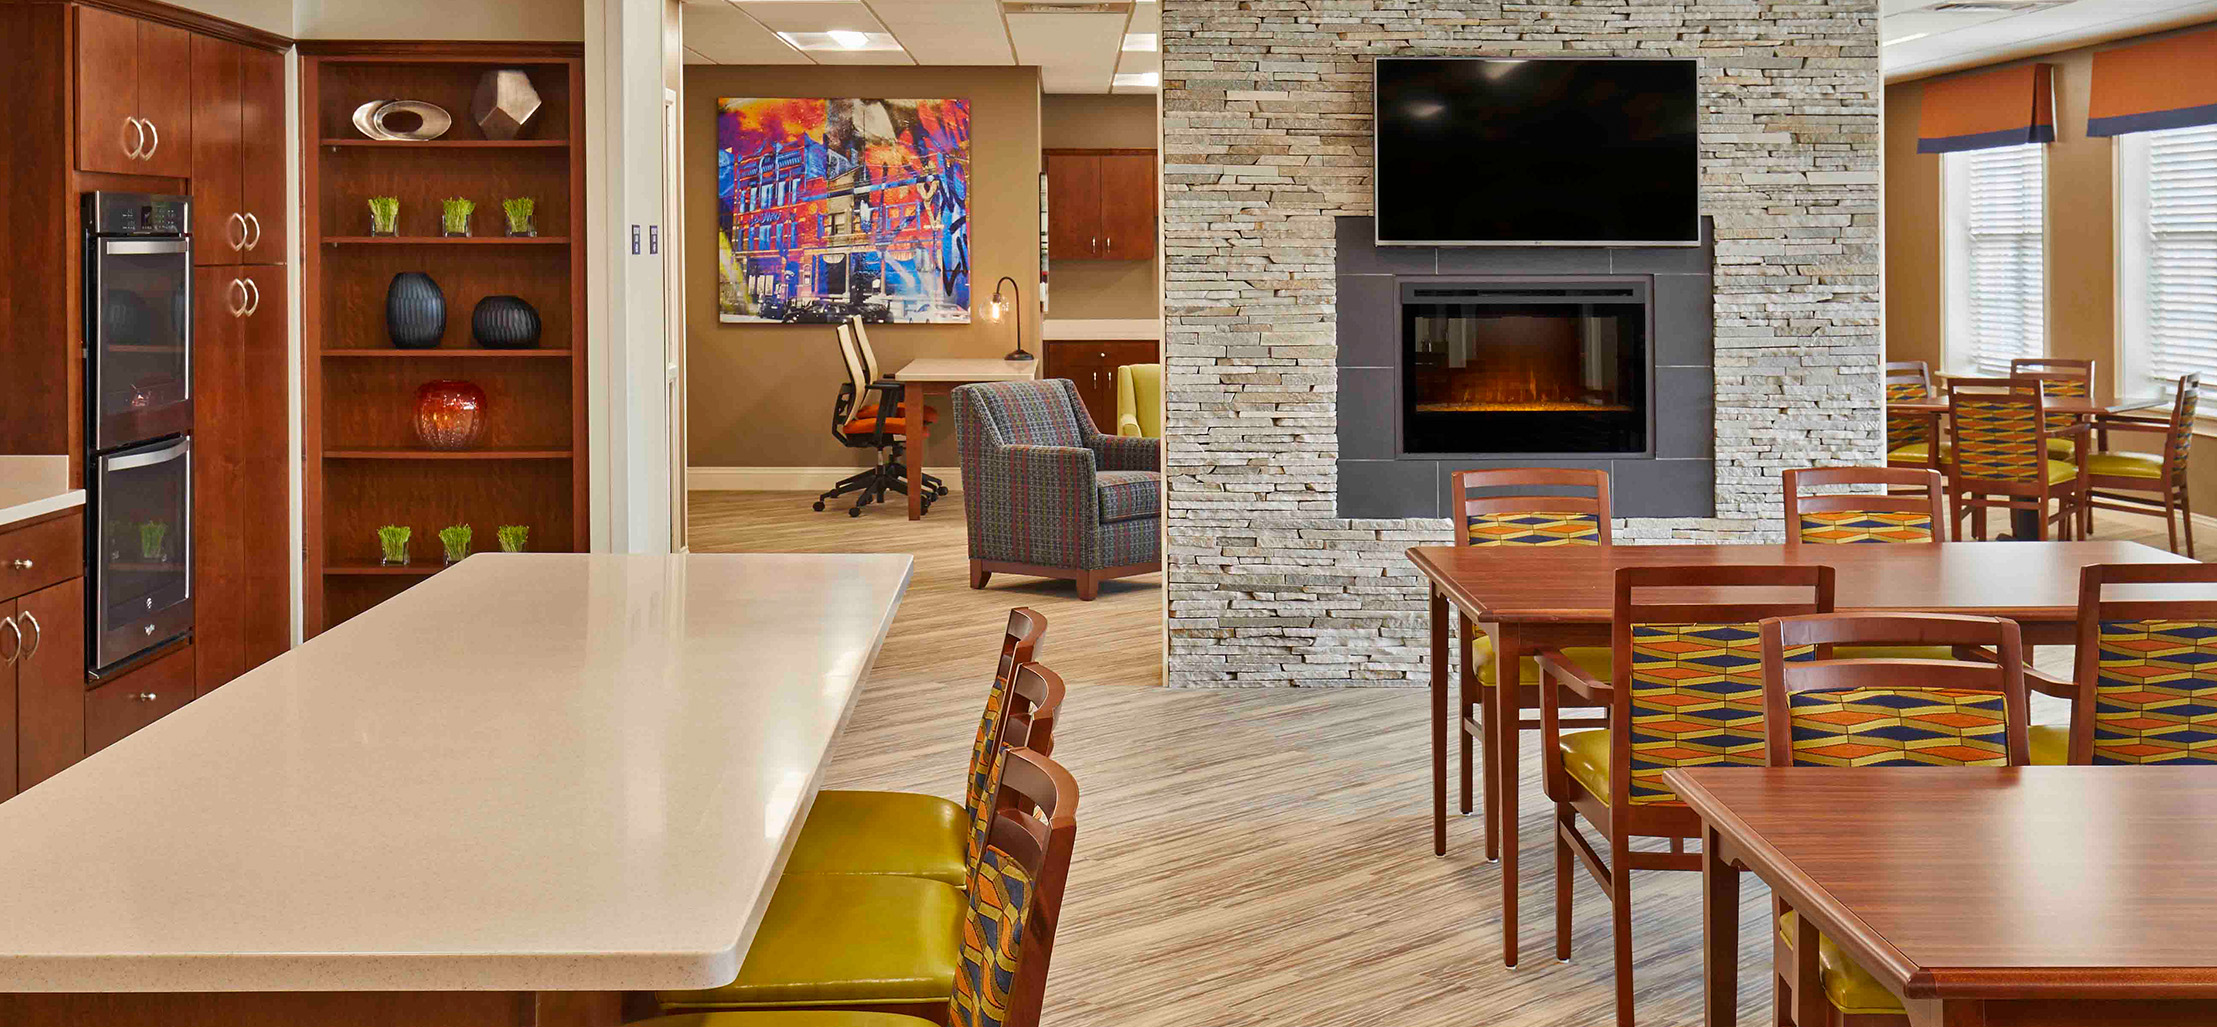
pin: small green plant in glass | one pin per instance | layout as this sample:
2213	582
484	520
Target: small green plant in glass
392	542
456	539
518	210
153	541
454	215
384	215
513	537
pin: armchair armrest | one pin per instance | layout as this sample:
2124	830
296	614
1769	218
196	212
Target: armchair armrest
1056	463
2135	424
1129	453
1127	425
1559	669
2035	680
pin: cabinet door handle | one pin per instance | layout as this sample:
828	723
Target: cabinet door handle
22	565
38	634
1093	244
257	240
10	659
236	239
154	131
1111	243
144	696
256	289
135	148
238	306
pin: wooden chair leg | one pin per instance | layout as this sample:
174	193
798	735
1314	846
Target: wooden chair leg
1620	911
2186	516
2170	524
1489	724
978	574
1566	818
1468	682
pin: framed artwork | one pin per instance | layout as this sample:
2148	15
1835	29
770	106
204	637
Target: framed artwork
833	208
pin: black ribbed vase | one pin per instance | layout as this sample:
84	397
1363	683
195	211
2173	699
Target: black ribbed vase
415	311
504	322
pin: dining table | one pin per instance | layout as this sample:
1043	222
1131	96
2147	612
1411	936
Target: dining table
515	795
1529	598
2077	896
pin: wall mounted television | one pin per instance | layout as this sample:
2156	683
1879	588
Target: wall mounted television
1495	151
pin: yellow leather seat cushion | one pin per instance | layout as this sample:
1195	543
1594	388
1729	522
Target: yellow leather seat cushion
1599	661
2050	744
2126	465
2062	449
903	833
1586	759
1917	453
845	939
1851	988
2060	471
786	1018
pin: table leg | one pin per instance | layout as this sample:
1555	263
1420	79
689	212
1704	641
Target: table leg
1508	661
1466	694
1720	930
1439	722
919	443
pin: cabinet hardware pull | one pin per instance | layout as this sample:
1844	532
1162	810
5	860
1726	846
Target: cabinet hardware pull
145	696
256	289
1093	243
155	131
135	150
239	242
1111	243
237	307
257	241
38	634
18	632
21	565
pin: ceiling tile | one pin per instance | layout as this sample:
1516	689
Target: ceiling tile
1953	40
722	35
1076	53
950	32
812	15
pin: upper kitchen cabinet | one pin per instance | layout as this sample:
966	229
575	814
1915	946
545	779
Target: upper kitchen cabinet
134	97
238	153
1100	204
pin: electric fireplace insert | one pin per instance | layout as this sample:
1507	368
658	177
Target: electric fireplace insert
1526	367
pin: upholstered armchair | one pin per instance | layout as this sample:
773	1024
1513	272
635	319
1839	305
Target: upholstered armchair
1047	494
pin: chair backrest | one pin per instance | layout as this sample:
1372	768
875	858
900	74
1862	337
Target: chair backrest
1015	893
1019	646
1908	381
1836	519
1029	413
2147	664
2184	406
1689	668
2057	376
1828	711
1531	506
851	394
870	365
1995	425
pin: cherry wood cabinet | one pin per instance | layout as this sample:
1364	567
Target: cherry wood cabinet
134	95
1092	367
1100	204
49	730
240	473
238	153
155	690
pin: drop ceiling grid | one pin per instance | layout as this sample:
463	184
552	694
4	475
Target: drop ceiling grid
1932	42
1075	52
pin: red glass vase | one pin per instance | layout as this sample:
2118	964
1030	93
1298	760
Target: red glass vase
450	414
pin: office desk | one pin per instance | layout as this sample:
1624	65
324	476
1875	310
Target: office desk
927	376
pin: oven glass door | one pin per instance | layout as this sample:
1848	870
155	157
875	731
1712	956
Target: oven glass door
143	595
142	340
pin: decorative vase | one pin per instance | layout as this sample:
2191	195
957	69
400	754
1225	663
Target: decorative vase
504	103
450	414
415	311
504	322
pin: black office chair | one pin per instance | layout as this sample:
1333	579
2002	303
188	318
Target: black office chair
856	423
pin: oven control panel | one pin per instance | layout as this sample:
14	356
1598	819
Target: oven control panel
137	214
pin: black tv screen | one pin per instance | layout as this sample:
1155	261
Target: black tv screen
1498	151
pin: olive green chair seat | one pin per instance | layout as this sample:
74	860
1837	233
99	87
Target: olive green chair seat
1918	452
2050	744
2126	465
787	1018
899	833
1850	988
1597	659
2062	449
846	940
1586	759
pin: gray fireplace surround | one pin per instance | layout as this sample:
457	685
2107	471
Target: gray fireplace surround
1676	477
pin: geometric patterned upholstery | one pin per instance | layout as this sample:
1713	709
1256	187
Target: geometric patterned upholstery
1840	527
2182	420
981	816
985	751
1129	494
1033	470
2076	388
2155	693
1898	727
1997	438
1907	429
1697	701
992	941
1535	528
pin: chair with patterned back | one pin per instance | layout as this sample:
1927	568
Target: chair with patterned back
1837	710
1894	516
1686	692
2058	379
2147	665
2001	461
879	951
2147	482
1519	506
1909	434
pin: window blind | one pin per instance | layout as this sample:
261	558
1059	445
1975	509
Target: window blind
2180	268
2004	255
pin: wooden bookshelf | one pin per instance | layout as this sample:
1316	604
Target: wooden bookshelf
368	468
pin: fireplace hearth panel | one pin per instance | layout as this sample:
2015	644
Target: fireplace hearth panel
1530	367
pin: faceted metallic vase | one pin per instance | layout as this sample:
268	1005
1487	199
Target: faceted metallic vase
505	103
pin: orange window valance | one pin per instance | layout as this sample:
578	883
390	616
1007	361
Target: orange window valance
2163	83
2004	107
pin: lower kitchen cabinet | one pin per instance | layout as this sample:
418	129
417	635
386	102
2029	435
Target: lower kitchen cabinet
1091	365
47	685
119	707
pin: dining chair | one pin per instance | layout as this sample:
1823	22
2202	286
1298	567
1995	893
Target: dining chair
2147	666
2060	378
1519	506
1847	518
2002	460
1910	435
2147	482
1686	691
916	835
910	946
1823	707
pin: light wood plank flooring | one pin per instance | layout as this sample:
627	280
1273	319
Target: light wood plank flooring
1246	857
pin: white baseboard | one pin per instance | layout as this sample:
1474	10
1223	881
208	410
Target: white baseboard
788	479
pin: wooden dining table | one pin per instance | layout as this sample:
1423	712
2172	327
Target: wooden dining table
1530	598
1979	896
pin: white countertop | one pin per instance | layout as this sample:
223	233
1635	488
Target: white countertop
32	486
967	369
529	773
1102	329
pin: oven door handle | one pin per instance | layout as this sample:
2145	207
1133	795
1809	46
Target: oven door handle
134	247
148	459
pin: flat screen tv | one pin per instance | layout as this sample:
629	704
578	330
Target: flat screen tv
1484	151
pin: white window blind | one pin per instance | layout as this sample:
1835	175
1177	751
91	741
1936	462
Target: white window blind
1998	260
2171	325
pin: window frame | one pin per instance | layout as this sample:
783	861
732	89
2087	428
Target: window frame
2135	350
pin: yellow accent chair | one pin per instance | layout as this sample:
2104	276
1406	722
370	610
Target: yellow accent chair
911	947
910	834
986	948
1998	428
2147	482
1827	708
1685	691
1139	400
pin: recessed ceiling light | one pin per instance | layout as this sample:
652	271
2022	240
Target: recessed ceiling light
1142	79
849	38
1139	42
1904	39
841	39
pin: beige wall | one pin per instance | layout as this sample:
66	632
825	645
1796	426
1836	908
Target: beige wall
535	20
267	15
1080	289
761	395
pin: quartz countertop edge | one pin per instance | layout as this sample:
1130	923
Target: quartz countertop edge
34	486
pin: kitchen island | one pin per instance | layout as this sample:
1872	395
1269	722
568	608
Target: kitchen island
504	797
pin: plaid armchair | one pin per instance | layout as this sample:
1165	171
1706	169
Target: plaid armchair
1047	494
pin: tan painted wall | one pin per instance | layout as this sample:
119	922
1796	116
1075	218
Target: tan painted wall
538	20
761	395
1101	288
267	15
